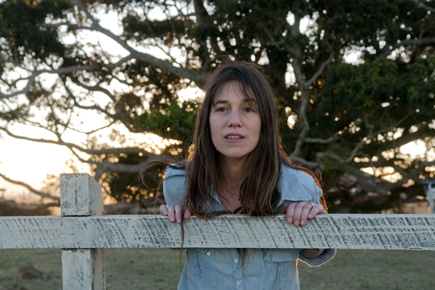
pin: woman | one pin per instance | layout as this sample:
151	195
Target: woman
238	166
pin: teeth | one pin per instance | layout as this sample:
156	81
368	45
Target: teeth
234	137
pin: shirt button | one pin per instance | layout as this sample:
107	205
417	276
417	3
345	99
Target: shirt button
236	260
238	282
208	253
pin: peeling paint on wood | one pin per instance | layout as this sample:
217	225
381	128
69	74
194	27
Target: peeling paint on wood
342	231
81	195
80	269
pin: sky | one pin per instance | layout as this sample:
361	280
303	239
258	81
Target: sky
31	162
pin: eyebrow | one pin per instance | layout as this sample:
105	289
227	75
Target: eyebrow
245	100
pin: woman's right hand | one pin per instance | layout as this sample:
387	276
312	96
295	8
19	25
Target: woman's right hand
174	213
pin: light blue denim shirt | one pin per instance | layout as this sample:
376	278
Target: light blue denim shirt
263	269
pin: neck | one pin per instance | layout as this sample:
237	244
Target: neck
233	172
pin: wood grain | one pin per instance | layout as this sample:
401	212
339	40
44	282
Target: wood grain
83	268
342	231
81	195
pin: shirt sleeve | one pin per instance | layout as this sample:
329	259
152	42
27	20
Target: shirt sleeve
326	255
174	186
296	185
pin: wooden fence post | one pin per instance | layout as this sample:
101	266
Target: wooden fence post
83	269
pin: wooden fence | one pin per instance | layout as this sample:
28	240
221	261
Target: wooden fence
83	233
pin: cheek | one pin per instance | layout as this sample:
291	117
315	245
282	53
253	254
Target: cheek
213	129
258	126
256	131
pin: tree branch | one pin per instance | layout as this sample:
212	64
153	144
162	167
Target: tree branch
126	150
406	138
305	95
419	42
62	70
85	10
421	5
320	70
93	131
302	161
95	88
119	167
203	18
372	135
360	175
197	76
37	192
321	141
25	207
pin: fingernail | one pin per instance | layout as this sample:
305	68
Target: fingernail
290	220
171	219
185	216
178	220
303	222
296	223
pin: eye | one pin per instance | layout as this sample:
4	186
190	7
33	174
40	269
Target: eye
221	109
248	110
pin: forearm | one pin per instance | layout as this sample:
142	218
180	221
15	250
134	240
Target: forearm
312	253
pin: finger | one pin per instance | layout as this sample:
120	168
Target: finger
317	209
297	213
290	212
297	216
283	208
178	213
187	214
171	214
306	209
163	210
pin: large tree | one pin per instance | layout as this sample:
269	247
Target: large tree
334	115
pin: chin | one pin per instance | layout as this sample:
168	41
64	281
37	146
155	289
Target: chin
234	155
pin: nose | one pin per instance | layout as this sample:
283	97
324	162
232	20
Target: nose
234	120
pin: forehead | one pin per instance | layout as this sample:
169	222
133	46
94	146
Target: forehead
234	89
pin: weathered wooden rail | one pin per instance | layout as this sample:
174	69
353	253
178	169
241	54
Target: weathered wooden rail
83	233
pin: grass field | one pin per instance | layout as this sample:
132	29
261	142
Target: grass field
160	269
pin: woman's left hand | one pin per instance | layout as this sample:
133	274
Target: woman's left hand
300	211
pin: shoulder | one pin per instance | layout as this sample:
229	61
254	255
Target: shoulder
174	185
295	185
174	170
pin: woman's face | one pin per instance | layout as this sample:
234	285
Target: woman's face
235	122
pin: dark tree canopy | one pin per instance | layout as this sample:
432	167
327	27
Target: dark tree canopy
347	115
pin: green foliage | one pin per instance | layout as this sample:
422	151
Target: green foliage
175	122
22	27
358	89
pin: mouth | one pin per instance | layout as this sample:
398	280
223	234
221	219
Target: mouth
233	136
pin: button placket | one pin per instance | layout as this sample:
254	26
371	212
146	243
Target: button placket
238	270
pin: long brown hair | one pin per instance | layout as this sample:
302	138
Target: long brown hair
258	192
